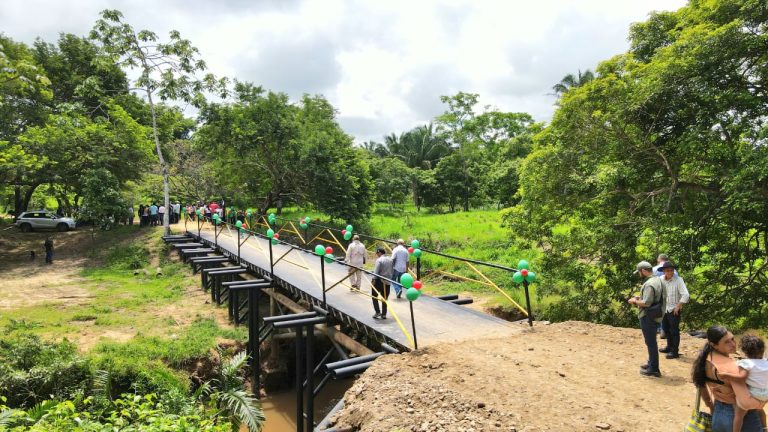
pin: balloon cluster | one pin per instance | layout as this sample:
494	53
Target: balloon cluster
273	236
249	212
216	218
347	233
325	252
239	225
414	249
523	274
412	287
304	222
272	218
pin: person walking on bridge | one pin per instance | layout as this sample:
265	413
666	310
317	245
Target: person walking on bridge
400	265
356	254
382	269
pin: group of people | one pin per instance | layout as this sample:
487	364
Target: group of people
734	391
387	271
152	215
661	301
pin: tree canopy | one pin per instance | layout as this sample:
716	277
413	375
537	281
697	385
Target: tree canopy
663	152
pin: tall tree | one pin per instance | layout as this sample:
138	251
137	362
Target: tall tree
24	102
663	152
166	69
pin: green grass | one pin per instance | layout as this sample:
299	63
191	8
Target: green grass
160	349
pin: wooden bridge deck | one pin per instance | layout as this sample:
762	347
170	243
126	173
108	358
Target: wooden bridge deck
437	321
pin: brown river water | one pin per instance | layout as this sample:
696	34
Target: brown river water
280	408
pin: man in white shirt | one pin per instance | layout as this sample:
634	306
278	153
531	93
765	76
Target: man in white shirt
677	296
399	264
356	254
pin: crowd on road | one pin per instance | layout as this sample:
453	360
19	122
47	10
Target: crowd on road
735	392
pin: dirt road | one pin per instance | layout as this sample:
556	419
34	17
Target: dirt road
570	376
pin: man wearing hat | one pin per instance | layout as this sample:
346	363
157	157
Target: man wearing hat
356	254
652	297
677	296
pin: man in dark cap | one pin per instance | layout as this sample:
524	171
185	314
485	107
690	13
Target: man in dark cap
651	305
677	296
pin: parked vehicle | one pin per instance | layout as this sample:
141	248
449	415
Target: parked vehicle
43	219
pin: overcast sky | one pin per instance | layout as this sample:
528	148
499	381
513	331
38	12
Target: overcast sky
382	63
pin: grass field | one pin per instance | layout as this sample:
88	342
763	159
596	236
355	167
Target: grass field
110	303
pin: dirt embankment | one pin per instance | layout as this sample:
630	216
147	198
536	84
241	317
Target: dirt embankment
571	376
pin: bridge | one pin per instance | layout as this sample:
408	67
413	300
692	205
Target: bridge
239	266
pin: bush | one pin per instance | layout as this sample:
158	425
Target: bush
129	412
32	370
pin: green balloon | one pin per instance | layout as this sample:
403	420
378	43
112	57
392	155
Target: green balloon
328	258
349	228
522	264
412	294
531	277
319	250
417	253
272	215
249	213
274	241
303	225
239	224
270	233
348	235
517	277
216	216
406	280
198	212
415	244
307	220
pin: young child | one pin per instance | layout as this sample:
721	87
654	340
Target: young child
754	370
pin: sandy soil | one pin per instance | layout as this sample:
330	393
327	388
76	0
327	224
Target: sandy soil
571	376
30	282
27	281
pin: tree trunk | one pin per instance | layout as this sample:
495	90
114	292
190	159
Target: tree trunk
22	199
163	166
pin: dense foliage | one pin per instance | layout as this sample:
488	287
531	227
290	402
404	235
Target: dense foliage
664	151
268	150
48	386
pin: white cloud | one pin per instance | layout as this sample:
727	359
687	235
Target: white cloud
384	65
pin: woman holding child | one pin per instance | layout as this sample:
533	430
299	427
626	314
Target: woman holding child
722	385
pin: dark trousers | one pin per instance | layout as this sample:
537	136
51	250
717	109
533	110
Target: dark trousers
671	326
49	257
648	326
380	288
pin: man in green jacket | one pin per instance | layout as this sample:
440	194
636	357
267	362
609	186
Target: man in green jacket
651	304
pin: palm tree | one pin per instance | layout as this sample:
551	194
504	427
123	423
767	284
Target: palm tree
570	81
420	148
377	149
229	397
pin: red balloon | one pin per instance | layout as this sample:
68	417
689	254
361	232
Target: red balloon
410	250
329	250
343	232
417	284
276	235
524	272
